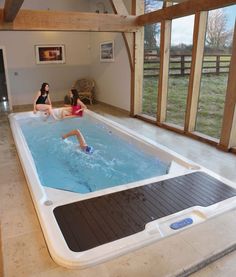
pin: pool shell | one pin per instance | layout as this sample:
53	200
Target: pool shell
46	200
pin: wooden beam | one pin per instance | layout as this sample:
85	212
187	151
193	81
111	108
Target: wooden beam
11	8
137	74
182	9
129	43
119	8
136	98
133	7
164	70
228	131
200	24
29	20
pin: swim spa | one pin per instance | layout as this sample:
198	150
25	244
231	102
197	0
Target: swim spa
52	203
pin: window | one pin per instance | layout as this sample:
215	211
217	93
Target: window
179	69
217	55
151	69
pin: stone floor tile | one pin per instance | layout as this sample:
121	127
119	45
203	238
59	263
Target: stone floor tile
10	173
95	271
158	259
14	199
224	267
213	235
18	222
26	255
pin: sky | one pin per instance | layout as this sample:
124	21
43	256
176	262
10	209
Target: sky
231	14
182	28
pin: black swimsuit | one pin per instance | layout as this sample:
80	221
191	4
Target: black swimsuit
42	99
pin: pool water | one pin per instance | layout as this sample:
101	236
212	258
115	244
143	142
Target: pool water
61	164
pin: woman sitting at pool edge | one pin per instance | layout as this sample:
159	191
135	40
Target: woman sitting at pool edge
77	106
83	145
42	101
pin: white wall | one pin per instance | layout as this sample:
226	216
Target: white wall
25	76
82	59
112	78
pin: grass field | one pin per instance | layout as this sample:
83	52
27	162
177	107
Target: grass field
210	106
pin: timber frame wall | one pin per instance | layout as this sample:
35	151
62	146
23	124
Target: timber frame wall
132	27
200	9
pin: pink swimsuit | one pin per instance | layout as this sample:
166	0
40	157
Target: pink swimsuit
75	109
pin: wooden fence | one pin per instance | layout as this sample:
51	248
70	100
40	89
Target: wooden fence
180	65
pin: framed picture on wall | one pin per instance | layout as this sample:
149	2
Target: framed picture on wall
107	51
50	53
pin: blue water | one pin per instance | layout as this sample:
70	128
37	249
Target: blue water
62	165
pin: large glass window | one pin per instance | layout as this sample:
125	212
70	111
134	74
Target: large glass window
151	69
179	69
151	62
217	55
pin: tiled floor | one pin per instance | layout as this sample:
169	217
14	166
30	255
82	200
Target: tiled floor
24	250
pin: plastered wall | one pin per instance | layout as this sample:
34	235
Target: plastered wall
82	58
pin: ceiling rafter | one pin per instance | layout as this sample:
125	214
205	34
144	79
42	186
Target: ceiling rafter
31	20
11	8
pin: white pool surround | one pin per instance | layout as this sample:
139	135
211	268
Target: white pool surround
46	199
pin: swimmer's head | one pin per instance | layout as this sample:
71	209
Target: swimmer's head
88	149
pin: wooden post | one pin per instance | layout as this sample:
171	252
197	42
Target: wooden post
182	58
164	70
196	70
217	64
228	131
137	75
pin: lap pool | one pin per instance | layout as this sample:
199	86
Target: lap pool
62	165
128	193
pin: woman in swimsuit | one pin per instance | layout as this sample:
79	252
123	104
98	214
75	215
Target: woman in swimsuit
76	108
42	101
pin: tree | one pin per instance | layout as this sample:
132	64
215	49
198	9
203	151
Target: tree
151	31
218	36
150	36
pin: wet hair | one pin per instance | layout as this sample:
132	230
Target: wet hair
75	96
43	91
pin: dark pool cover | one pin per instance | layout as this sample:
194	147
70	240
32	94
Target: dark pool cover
90	223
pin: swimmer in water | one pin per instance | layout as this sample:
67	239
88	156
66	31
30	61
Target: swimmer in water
83	145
